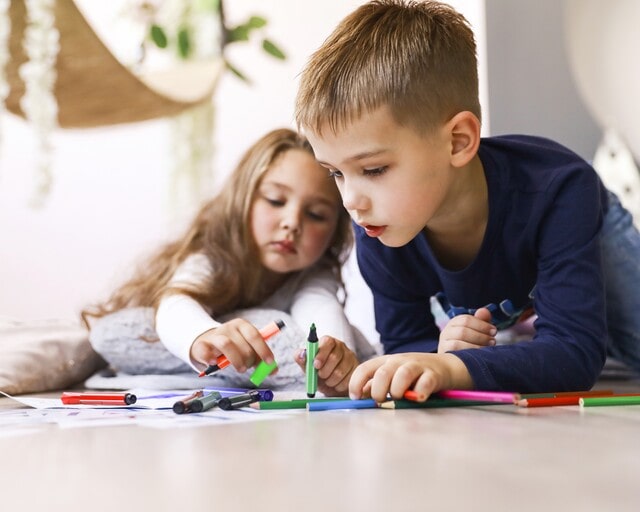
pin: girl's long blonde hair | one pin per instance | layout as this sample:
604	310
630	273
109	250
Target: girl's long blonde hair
222	232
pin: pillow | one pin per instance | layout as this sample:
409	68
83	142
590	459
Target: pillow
46	355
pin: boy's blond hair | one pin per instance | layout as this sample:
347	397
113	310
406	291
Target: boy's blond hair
417	58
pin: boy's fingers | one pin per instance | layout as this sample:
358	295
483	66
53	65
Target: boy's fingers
362	376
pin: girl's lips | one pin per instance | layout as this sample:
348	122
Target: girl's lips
285	246
374	231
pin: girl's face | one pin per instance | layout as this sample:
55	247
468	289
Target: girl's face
295	212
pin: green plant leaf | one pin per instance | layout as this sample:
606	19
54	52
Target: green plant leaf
237	72
273	50
158	36
239	33
256	22
184	43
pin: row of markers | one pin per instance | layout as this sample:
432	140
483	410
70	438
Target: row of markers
199	401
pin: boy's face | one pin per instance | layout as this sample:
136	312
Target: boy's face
393	180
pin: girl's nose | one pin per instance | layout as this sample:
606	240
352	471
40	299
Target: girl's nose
291	221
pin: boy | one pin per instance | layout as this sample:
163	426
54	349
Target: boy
497	228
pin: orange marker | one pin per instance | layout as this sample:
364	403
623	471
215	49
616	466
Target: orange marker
222	362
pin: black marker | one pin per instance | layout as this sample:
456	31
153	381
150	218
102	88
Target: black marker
205	403
235	402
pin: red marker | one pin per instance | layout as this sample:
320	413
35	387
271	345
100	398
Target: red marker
222	362
70	398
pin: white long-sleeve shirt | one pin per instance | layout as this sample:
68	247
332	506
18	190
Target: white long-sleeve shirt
310	297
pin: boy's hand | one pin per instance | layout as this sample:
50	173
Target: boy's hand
466	331
335	363
238	340
394	374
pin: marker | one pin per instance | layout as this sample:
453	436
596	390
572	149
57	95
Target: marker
69	398
222	362
184	405
311	371
262	371
235	402
205	403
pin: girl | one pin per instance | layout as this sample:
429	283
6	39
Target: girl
274	238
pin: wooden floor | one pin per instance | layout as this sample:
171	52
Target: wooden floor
496	458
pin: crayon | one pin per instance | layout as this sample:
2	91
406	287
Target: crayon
311	371
222	362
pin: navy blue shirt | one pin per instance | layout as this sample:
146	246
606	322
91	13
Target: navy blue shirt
541	249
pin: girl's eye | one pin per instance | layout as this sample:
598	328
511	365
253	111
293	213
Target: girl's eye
317	216
375	172
335	174
274	202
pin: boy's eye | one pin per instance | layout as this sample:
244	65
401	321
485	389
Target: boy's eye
333	173
375	172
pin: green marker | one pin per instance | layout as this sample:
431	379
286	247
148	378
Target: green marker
262	371
206	402
311	372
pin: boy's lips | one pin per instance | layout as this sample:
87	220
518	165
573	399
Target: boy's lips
374	231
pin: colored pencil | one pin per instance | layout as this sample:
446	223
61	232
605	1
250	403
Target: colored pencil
366	403
297	403
485	396
548	402
435	403
592	392
410	394
610	400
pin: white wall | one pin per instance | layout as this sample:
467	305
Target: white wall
110	201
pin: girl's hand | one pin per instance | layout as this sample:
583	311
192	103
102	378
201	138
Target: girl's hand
238	340
466	331
394	374
335	363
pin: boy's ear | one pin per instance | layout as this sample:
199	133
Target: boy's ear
464	130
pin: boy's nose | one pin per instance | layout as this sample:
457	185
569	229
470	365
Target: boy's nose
352	198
